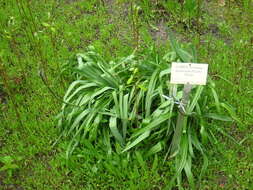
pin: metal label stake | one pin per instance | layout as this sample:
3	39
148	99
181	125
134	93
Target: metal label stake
188	74
181	119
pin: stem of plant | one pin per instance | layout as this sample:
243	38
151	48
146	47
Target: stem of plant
6	78
198	22
43	63
181	120
135	24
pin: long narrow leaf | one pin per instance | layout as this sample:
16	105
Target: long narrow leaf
137	141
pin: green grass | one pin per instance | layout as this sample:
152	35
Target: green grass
67	28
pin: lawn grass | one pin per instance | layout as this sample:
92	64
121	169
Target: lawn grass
28	109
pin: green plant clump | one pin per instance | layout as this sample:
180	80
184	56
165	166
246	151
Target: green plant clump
9	164
128	105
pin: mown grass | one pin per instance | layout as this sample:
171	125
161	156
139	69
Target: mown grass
28	109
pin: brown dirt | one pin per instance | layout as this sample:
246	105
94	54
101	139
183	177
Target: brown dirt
4	186
160	35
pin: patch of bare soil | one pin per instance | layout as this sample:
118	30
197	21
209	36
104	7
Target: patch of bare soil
118	13
4	186
2	96
71	1
160	34
222	180
119	16
3	105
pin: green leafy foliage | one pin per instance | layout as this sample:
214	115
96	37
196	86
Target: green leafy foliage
66	27
9	164
124	105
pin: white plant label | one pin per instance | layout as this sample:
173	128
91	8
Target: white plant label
189	73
